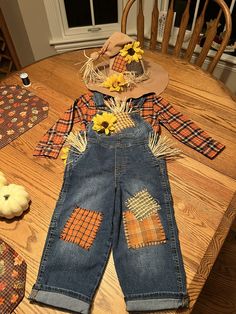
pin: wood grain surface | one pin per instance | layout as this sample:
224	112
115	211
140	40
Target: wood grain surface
203	190
219	294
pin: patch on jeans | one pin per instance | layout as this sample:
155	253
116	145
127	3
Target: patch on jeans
138	233
142	205
123	121
82	227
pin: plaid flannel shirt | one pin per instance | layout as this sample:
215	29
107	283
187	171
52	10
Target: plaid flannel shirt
155	110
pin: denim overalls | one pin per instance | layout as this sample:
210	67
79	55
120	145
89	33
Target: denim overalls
115	196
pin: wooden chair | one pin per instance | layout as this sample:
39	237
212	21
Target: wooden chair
178	51
8	57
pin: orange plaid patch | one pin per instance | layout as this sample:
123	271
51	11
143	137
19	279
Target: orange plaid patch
82	227
119	64
123	121
143	233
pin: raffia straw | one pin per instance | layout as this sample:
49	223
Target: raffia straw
77	141
162	146
141	78
90	73
117	105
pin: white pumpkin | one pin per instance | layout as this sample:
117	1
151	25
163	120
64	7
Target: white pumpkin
3	180
13	200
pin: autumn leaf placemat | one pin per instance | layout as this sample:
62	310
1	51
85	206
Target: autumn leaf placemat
20	110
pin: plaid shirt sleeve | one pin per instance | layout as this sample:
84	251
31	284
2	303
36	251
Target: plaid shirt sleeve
53	140
185	130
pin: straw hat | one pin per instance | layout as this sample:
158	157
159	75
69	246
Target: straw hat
125	73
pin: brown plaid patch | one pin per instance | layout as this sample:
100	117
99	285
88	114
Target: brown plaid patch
142	204
123	121
82	227
143	233
119	64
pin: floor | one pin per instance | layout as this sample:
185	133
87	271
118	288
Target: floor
219	294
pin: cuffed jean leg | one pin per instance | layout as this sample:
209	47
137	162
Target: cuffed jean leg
59	300
146	247
79	238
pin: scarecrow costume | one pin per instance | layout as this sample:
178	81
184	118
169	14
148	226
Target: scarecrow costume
116	193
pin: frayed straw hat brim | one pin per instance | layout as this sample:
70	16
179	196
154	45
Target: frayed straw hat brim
156	83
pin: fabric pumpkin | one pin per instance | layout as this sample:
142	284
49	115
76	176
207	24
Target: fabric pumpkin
13	200
3	180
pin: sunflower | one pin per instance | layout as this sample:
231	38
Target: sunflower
104	123
64	155
132	52
115	82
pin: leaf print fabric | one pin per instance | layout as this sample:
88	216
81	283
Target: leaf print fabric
2	268
12	278
20	110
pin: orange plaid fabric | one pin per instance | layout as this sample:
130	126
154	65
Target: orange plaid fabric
82	227
142	233
53	140
154	110
119	64
123	121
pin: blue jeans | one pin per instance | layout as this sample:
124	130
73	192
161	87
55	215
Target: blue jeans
115	195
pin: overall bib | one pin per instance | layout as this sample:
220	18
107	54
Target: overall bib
115	196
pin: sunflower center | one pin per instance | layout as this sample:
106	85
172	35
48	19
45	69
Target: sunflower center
6	196
105	124
131	51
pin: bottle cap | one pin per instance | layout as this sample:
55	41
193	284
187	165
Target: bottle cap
23	75
25	79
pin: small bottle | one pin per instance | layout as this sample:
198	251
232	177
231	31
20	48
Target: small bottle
25	79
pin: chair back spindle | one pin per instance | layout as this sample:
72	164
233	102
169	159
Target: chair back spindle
196	33
140	23
154	26
228	29
178	50
168	27
209	39
182	30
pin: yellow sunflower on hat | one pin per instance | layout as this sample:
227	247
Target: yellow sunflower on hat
132	52
115	82
104	123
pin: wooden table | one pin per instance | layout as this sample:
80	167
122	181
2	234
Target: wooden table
203	190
